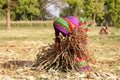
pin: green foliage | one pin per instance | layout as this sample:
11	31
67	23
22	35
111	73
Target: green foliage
93	7
113	10
73	9
107	11
117	24
5	4
75	3
2	3
66	11
27	9
21	9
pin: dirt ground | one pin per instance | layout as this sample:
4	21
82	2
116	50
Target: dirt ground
18	55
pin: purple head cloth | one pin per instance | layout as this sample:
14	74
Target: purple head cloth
74	20
61	29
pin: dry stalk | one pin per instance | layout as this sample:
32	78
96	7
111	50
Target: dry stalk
63	59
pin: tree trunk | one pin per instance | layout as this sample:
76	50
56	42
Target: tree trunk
8	19
8	15
94	16
113	23
75	11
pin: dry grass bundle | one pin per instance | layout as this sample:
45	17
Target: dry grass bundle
63	59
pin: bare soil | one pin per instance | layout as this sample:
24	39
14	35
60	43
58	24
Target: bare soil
17	58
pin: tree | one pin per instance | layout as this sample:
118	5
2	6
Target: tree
74	8
113	9
93	9
7	5
8	15
26	9
2	12
42	7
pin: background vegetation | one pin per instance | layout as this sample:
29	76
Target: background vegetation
97	12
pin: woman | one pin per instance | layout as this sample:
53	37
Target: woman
66	26
103	30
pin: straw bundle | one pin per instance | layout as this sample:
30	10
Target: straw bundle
64	58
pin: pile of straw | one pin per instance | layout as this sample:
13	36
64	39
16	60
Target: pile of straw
64	58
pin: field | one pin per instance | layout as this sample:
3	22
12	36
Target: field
19	46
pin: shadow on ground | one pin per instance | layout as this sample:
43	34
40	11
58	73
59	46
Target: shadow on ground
17	63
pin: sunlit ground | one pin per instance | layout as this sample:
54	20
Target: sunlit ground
24	44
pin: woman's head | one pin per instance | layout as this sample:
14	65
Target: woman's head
68	24
74	20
